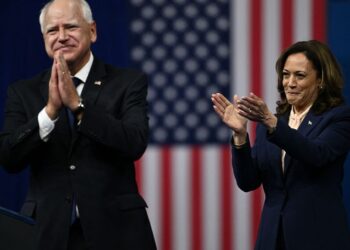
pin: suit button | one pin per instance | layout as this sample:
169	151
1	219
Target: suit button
72	167
68	199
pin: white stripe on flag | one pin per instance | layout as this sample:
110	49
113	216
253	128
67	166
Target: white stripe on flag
151	187
240	60
240	53
302	20
270	50
242	219
211	197
181	197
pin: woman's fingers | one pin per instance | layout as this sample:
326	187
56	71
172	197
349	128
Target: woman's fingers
220	102
219	112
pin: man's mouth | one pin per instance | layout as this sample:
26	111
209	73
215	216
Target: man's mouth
64	48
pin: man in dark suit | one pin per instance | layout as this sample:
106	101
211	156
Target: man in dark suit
80	142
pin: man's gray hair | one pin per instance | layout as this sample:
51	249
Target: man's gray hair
85	8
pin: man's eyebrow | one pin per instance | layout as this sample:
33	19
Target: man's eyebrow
48	27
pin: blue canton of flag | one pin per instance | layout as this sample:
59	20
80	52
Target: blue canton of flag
184	47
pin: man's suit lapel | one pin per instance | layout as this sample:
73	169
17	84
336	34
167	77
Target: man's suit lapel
94	83
308	124
92	87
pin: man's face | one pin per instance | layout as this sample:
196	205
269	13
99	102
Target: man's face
66	30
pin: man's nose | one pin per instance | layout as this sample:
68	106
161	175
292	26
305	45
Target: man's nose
62	35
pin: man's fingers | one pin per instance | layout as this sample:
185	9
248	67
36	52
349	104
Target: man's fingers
62	66
54	76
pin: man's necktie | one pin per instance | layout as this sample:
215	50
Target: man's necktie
71	118
74	216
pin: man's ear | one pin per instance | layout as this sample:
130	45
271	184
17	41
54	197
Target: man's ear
93	32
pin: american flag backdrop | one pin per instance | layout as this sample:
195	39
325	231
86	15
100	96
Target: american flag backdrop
191	49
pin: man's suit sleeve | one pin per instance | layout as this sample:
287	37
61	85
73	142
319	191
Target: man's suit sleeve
20	136
126	134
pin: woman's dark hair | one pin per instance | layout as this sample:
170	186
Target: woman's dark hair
327	68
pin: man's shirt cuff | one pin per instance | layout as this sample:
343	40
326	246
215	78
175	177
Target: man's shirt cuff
46	125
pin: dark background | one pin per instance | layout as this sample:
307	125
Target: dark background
22	55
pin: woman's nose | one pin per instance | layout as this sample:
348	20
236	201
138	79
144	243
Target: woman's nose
291	81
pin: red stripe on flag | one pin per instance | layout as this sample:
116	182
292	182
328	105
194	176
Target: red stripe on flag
226	198
255	55
166	208
287	23
319	19
256	39
138	173
196	199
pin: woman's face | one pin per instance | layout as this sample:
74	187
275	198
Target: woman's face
300	81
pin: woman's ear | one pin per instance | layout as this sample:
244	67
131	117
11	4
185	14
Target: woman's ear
320	83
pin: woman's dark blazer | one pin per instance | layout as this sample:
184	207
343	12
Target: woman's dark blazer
307	197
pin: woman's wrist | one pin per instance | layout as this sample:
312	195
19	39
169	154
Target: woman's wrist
239	139
270	123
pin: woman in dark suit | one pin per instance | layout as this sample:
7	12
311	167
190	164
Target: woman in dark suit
299	152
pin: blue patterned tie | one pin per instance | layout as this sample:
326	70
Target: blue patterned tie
74	210
71	118
76	82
